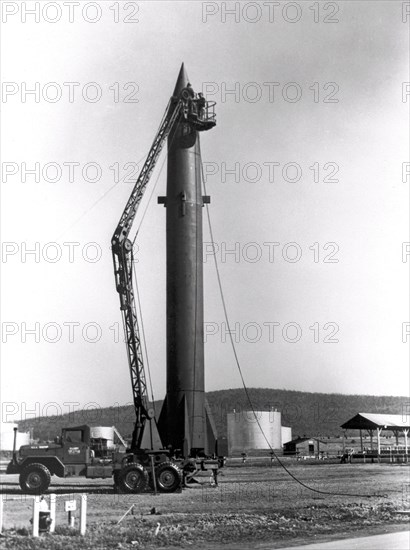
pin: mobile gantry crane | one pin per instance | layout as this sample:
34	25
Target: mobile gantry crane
146	447
146	461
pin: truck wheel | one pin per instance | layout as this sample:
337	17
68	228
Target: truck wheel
133	478
169	477
35	479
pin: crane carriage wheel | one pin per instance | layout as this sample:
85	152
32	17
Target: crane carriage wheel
133	478
168	477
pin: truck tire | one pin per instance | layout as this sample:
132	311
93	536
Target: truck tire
168	477
133	478
35	479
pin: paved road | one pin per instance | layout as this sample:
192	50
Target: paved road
390	541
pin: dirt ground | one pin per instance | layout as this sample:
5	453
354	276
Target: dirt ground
253	506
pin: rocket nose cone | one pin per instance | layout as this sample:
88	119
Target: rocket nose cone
182	80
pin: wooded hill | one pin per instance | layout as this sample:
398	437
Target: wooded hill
308	414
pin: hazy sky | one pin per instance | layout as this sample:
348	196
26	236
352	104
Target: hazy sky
308	150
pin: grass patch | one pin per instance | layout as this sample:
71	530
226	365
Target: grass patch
184	530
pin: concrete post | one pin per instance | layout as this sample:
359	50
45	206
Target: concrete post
83	514
53	499
36	515
378	443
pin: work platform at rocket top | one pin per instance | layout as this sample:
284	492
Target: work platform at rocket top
199	112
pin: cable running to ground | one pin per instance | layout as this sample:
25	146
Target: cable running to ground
329	493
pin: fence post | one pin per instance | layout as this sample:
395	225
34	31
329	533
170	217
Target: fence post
36	515
83	514
53	512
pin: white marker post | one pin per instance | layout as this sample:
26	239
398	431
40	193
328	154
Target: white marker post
83	514
36	515
53	499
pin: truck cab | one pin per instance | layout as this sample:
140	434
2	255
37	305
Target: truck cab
75	454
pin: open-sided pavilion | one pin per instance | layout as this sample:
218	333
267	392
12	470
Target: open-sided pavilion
376	423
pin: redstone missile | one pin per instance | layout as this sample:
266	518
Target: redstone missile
185	423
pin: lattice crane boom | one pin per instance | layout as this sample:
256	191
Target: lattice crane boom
122	251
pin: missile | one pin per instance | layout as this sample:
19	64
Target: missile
185	423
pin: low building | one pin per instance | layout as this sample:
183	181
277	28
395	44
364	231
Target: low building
304	446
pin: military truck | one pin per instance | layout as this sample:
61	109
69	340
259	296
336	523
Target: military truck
76	453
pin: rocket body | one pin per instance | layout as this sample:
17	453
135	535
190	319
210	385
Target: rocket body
185	423
185	309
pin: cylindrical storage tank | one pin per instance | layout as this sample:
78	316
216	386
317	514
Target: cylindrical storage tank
7	437
103	432
286	434
247	431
